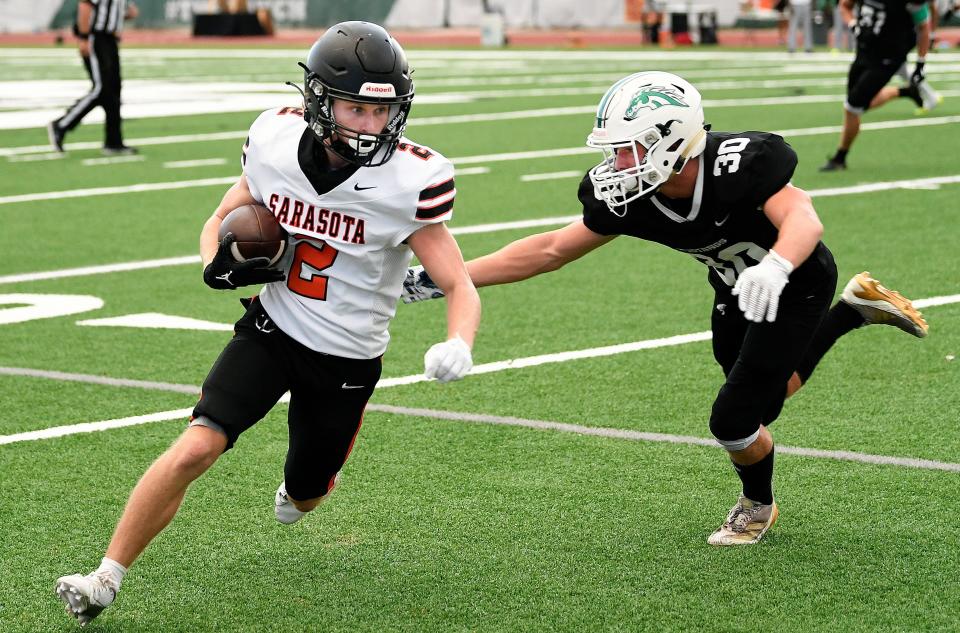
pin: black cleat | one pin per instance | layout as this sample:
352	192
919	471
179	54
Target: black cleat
120	150
913	91
833	165
55	134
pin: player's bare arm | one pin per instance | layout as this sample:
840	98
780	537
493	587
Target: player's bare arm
792	212
440	255
846	12
798	231
518	260
923	38
536	254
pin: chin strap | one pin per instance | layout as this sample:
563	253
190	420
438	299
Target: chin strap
685	154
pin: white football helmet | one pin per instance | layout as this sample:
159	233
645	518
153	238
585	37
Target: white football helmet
661	112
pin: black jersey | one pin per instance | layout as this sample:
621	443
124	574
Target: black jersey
885	28
723	225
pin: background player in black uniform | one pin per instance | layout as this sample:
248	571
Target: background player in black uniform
725	199
886	30
98	25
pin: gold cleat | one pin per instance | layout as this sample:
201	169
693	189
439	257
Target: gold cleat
746	524
877	304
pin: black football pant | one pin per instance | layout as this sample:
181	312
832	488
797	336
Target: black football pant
328	395
759	358
103	66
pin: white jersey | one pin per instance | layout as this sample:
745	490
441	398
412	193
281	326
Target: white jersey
346	257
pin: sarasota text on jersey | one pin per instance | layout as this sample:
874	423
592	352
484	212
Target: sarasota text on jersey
293	213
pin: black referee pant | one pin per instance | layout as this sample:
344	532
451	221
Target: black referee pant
104	69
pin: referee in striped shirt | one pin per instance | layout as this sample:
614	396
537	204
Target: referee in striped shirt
98	24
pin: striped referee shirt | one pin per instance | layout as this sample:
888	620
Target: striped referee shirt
107	15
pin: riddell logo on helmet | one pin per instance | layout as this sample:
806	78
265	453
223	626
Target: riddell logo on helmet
378	90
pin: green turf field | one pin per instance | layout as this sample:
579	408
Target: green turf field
544	504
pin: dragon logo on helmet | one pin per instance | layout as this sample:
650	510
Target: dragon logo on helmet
651	97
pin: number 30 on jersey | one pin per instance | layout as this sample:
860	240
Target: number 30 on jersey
728	155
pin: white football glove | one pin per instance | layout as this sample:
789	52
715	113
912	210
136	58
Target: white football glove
450	360
418	286
759	287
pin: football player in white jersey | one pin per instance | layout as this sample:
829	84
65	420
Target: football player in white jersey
358	200
726	200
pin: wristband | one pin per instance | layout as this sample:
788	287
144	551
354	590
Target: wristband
782	262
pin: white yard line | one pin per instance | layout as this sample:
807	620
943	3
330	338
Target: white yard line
471	171
110	160
920	183
90	427
500	116
100	270
106	191
554	175
455	416
466	160
202	162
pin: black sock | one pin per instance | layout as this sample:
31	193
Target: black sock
840	156
839	320
757	479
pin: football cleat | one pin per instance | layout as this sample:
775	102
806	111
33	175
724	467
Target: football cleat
86	596
120	150
833	165
929	97
288	513
913	91
746	524
877	304
55	135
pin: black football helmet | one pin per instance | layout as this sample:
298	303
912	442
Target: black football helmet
357	61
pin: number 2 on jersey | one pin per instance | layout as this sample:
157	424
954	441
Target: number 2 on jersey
309	261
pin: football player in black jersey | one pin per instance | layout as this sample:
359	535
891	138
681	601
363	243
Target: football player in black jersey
886	31
725	199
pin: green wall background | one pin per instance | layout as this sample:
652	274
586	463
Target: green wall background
320	13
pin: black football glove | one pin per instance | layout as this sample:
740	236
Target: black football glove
226	273
918	74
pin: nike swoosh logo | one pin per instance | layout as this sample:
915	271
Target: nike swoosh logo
357	187
346	386
721	222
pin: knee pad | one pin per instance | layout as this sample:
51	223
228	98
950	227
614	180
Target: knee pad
202	420
852	109
732	421
738	445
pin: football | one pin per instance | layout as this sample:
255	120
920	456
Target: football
258	233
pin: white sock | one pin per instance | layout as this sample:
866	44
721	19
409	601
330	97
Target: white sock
115	569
